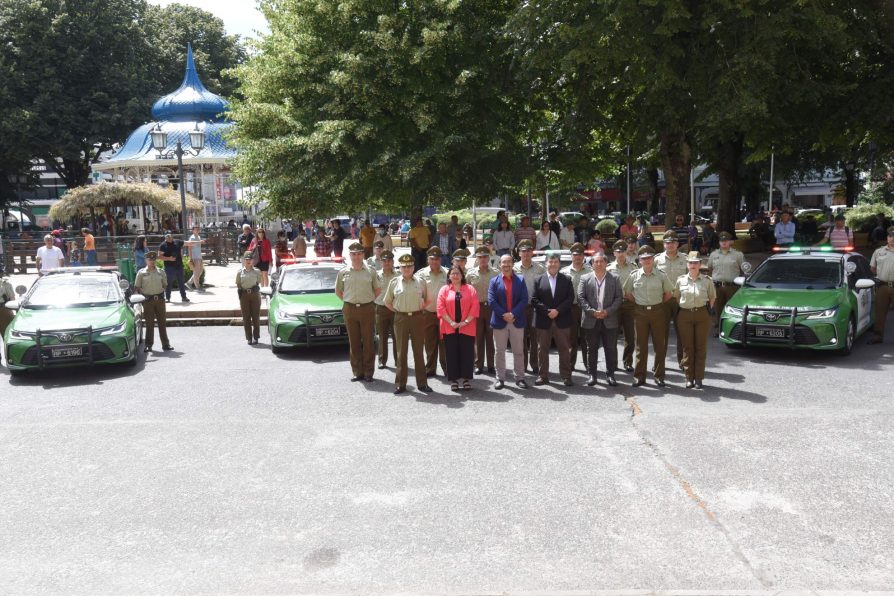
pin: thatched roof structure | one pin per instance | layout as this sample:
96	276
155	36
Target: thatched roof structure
118	194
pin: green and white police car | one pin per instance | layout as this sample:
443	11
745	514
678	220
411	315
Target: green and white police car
813	298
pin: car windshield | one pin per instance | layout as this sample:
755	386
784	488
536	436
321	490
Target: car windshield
61	291
807	274
307	280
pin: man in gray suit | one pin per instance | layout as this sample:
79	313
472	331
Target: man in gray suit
600	299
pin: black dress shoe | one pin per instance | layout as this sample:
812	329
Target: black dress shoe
400	390
568	383
249	341
356	378
167	348
628	369
368	379
638	382
381	366
690	384
522	383
491	370
660	383
535	370
426	389
611	380
479	371
591	381
540	381
499	384
185	299
698	385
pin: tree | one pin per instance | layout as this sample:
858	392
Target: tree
359	103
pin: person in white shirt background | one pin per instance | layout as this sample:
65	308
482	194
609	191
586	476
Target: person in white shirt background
49	257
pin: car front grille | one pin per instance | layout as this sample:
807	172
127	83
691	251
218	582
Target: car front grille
804	336
298	335
100	352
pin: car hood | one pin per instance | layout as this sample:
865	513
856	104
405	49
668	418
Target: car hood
69	318
802	299
298	303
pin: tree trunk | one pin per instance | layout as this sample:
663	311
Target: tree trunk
729	157
676	160
654	192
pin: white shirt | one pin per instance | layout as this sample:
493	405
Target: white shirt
600	291
566	237
49	258
552	284
549	241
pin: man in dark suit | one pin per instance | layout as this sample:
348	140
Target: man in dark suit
552	301
600	299
507	297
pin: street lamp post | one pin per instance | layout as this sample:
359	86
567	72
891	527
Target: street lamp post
160	144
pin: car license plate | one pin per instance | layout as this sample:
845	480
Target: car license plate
67	352
327	331
773	332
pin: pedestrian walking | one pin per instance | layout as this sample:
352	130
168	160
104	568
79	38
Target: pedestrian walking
299	247
621	268
480	277
248	288
280	249
244	240
407	297
725	265
49	257
263	255
322	243
139	252
673	265
882	266
89	246
152	283
696	294
575	271
457	311
434	277
529	272
601	299
172	254
552	299
649	289
357	286
507	296
194	246
384	315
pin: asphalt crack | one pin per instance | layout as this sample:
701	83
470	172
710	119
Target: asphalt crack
636	414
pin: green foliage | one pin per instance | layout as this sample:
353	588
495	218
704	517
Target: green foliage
607	227
877	193
485	220
864	216
352	104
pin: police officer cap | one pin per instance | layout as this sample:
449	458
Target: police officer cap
387	255
482	251
630	239
525	245
434	251
247	256
620	246
151	255
670	236
378	244
355	247
646	251
460	253
577	248
406	259
725	236
693	256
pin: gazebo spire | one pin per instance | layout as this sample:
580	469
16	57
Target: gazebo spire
191	101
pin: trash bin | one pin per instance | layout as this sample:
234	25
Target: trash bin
127	269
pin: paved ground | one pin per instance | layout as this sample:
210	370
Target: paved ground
220	467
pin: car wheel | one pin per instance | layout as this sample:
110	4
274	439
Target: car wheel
849	337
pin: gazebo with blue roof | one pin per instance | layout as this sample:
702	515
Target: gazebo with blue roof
188	108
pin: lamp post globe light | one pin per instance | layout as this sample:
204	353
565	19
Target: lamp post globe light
160	144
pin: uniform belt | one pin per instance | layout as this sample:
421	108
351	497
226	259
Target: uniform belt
694	309
154	296
251	290
649	307
724	283
410	314
358	305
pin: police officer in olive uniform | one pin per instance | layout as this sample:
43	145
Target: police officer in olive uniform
406	297
529	271
357	286
151	283
621	268
673	265
480	276
882	265
696	295
384	315
648	288
248	288
460	257
434	277
375	261
577	269
725	265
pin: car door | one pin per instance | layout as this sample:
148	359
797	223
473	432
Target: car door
865	297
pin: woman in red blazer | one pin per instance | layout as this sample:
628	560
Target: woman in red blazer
458	311
265	255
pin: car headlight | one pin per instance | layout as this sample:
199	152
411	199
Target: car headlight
287	316
826	314
732	310
14	334
116	329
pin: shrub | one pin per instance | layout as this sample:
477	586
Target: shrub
864	216
607	227
485	220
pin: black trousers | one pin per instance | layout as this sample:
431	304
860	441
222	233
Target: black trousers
601	336
460	350
175	273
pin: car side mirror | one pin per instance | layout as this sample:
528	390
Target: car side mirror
12	305
20	290
267	291
739	281
864	284
137	299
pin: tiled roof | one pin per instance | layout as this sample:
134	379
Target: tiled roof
191	101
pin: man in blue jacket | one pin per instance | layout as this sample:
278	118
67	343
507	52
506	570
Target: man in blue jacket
507	296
